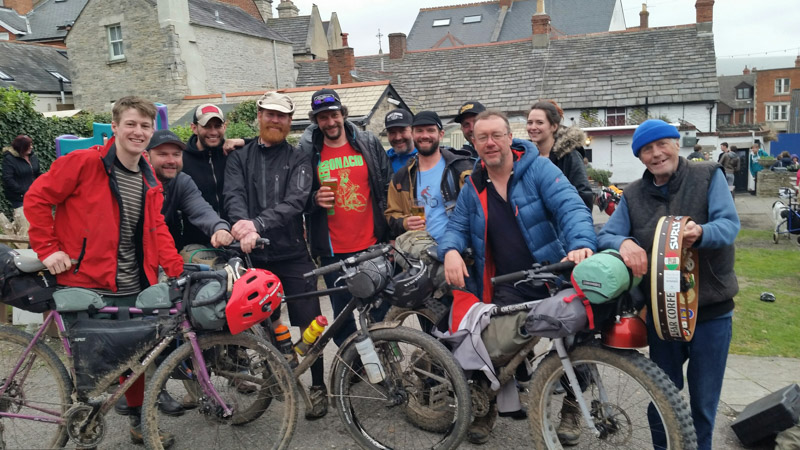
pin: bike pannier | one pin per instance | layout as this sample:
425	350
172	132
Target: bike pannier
603	277
27	291
559	316
505	336
100	346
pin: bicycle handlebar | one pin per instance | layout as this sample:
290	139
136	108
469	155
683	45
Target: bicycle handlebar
236	245
559	267
349	262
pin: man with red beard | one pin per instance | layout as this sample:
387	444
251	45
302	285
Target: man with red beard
349	219
267	186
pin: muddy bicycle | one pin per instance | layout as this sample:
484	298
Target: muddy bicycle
244	388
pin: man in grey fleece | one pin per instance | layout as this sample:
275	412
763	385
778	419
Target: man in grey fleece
182	198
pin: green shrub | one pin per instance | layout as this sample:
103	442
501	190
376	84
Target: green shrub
240	130
184	132
244	112
601	176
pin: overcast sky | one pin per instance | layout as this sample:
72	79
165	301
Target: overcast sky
741	27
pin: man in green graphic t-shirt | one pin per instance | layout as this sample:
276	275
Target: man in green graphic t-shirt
348	196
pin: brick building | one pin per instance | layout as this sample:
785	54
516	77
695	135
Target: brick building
773	95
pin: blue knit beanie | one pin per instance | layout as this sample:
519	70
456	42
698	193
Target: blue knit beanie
652	130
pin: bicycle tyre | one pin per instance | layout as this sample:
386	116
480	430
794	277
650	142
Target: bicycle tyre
264	417
631	381
47	384
377	415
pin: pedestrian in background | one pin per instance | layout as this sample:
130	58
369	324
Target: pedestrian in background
20	168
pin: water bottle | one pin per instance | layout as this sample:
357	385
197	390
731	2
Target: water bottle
311	334
372	365
284	339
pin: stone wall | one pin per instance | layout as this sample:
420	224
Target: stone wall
152	66
769	182
236	62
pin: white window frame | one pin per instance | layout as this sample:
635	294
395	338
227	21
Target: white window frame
616	114
473	19
4	36
781	86
112	55
777	112
5	77
58	76
441	22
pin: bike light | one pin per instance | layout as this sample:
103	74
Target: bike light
629	332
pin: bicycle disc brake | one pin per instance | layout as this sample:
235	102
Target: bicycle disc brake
92	434
612	422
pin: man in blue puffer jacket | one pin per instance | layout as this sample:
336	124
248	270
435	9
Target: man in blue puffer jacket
509	211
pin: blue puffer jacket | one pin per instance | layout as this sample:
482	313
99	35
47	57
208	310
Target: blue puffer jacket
545	201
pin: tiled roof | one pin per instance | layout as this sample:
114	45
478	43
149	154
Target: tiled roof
29	63
566	16
49	18
12	19
664	65
295	29
234	19
727	90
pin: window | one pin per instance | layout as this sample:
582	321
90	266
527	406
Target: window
115	42
781	86
743	93
441	22
615	117
4	36
777	112
472	19
5	77
723	119
59	76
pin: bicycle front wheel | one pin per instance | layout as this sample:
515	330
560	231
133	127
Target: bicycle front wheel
41	388
419	371
620	388
251	377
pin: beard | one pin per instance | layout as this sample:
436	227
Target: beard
429	149
333	133
409	144
274	134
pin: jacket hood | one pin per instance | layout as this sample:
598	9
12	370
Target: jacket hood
566	140
10	149
526	151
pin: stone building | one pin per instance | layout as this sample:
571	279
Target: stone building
165	50
311	36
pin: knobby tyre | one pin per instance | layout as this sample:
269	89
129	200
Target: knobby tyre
43	383
250	375
419	370
631	383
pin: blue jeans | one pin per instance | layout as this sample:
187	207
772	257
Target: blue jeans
707	354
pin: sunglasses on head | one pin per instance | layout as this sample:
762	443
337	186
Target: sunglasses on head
324	98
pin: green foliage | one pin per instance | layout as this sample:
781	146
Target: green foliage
184	132
589	118
601	176
244	112
240	130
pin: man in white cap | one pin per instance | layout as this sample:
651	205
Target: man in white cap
274	210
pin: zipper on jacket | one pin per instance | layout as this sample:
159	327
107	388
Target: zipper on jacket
214	177
80	257
277	188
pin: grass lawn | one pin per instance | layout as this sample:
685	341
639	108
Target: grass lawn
761	328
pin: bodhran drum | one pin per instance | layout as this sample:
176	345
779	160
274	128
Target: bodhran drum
674	281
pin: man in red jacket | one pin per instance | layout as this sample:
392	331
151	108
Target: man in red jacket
107	234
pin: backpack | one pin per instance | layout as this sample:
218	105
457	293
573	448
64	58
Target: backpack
31	292
603	277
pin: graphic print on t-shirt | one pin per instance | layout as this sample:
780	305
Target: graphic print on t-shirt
347	195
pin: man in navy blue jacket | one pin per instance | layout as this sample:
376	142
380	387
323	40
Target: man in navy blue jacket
671	185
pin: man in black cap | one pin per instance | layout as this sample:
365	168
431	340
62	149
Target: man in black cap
345	215
398	130
466	117
434	179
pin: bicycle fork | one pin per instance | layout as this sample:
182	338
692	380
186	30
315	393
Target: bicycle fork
561	349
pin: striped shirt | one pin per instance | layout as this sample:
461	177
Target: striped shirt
131	188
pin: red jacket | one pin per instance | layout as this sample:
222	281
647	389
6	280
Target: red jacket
87	219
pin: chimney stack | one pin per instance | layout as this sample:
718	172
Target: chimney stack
397	45
746	71
341	62
705	15
540	23
644	17
506	3
265	8
22	7
797	61
288	9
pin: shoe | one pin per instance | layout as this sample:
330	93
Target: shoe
520	414
121	407
168	405
569	430
319	402
135	421
481	428
189	402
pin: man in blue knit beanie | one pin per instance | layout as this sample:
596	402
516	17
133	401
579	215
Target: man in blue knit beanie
671	185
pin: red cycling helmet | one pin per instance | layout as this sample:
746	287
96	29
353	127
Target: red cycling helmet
256	295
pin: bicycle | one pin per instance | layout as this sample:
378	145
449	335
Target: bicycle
246	393
416	370
617	385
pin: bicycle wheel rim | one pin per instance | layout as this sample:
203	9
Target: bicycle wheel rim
251	377
44	386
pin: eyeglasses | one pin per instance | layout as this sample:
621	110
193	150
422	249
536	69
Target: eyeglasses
324	98
485	137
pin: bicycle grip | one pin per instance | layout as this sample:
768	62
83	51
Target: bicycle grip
219	275
325	269
260	243
366	256
510	277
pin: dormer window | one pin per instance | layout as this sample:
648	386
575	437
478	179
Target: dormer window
744	93
441	22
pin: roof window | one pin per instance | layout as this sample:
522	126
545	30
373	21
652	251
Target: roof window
441	22
5	77
473	19
59	76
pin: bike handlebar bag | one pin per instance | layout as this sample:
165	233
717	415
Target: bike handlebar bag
561	315
27	291
603	277
370	277
208	317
